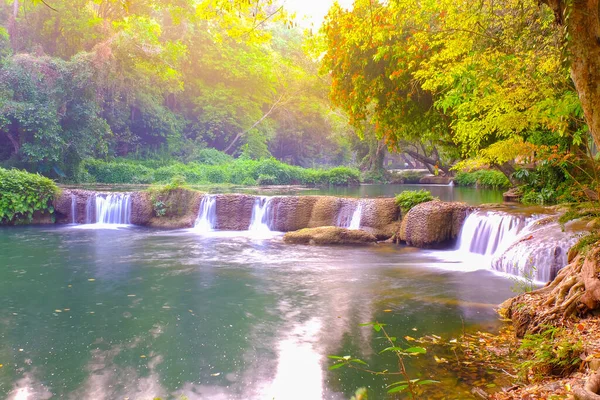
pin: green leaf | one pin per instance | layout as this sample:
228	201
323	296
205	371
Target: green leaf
398	389
336	366
415	350
426	382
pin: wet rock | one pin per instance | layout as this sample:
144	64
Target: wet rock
329	235
234	211
433	223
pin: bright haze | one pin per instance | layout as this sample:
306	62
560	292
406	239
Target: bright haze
310	13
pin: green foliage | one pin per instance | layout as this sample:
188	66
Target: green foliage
239	171
410	198
181	79
553	351
22	193
159	207
483	178
411	386
584	244
212	157
525	282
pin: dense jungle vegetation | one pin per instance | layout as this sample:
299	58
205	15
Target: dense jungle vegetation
139	91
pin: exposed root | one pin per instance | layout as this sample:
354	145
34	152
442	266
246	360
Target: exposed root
558	301
590	390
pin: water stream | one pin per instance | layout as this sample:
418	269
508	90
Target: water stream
73	209
113	209
207	215
261	215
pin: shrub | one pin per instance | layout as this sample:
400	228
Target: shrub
485	178
264	180
343	176
410	198
241	171
22	193
212	157
118	172
553	351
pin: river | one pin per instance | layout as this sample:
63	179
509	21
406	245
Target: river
138	313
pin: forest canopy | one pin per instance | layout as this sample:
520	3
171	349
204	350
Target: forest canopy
448	85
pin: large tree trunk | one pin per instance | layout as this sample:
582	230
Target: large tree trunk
581	18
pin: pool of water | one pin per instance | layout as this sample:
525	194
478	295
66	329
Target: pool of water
138	313
444	192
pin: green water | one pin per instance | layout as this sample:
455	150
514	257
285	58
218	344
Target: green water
136	313
446	193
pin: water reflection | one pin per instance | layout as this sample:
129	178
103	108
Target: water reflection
137	313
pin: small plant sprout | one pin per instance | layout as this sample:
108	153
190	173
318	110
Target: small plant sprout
407	384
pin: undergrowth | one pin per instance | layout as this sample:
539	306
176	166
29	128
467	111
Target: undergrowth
22	194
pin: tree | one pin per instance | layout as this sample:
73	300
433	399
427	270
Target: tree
579	23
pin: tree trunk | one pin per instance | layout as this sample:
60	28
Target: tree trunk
583	28
508	170
15	142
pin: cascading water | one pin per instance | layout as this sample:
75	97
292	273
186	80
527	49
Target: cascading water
73	209
114	209
350	214
207	215
261	215
488	233
356	216
89	210
529	247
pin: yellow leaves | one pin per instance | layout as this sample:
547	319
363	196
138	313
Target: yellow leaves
440	360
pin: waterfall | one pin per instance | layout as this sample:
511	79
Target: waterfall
207	214
350	214
261	215
488	233
89	209
113	208
356	216
73	209
529	247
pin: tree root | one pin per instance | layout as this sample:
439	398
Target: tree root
554	303
590	390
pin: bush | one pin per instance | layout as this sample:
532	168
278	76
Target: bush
22	193
553	351
212	157
484	178
264	180
239	172
118	172
410	198
343	176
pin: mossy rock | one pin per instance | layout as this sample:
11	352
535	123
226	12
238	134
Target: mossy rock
329	235
433	224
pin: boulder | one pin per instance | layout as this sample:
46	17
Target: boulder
329	235
512	195
234	211
180	208
291	213
64	202
141	208
433	223
325	211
